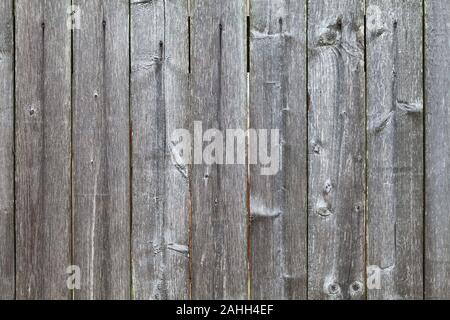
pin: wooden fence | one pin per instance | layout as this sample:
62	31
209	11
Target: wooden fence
91	91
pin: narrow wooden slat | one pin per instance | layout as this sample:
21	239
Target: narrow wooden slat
437	150
101	159
278	101
6	151
337	149
43	108
159	105
218	100
395	147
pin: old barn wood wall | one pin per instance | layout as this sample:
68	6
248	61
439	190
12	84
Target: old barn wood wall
91	92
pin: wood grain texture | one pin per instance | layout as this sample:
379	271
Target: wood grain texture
219	192
159	106
337	148
43	109
7	272
101	157
437	150
395	147
88	164
278	101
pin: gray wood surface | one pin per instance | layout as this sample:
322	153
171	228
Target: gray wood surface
437	150
336	266
278	210
159	105
88	162
219	192
7	272
42	74
395	147
101	150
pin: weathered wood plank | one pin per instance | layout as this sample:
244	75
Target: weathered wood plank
101	157
218	100
159	106
6	150
43	109
278	101
437	150
337	149
395	147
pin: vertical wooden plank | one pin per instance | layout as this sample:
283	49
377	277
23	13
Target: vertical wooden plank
218	100
437	132
337	149
6	150
278	101
101	158
159	106
395	147
43	109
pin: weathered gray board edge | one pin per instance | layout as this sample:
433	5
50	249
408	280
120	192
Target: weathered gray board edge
336	228
160	66
278	211
42	166
7	263
395	147
219	193
437	150
101	159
